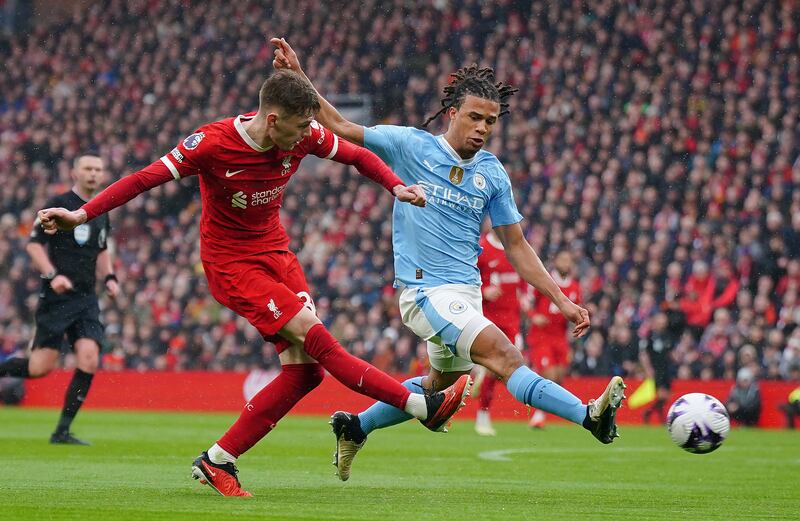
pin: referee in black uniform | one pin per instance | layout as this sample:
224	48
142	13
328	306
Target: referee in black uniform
68	305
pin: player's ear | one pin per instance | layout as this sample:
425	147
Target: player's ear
272	118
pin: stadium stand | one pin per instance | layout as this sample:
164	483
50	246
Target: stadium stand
654	139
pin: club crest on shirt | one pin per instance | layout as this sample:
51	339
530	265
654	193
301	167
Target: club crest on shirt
82	233
457	307
191	142
479	181
287	165
456	175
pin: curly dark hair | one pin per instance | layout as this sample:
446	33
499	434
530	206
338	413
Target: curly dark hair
478	82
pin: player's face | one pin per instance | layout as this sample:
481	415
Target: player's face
563	263
287	130
89	173
472	124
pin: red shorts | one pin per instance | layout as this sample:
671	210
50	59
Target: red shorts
267	290
548	351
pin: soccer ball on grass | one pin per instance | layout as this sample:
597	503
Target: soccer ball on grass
698	423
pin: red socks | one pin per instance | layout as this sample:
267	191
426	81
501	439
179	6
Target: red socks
487	390
353	372
269	405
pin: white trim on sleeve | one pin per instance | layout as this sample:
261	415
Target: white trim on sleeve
168	163
335	147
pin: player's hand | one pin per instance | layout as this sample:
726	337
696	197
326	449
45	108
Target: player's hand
54	219
413	194
285	57
112	288
61	284
578	316
492	293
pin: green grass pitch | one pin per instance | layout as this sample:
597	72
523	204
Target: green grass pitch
139	464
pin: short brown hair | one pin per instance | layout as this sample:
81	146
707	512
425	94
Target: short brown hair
289	91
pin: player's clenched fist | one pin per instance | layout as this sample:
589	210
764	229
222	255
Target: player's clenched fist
54	219
413	194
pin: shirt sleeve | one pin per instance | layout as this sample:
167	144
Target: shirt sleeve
322	142
502	207
387	141
327	145
188	158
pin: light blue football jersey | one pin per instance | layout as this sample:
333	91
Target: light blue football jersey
438	244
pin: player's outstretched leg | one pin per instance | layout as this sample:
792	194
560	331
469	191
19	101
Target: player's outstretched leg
351	430
597	417
433	410
493	350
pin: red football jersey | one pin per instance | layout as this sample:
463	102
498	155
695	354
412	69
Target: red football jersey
241	183
497	271
556	326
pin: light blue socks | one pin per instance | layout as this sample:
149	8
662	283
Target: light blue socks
525	385
382	415
531	389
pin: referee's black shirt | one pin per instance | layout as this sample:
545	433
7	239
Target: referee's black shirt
74	253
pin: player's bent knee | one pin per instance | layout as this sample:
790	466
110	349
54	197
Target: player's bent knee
296	328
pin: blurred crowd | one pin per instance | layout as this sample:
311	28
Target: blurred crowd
656	140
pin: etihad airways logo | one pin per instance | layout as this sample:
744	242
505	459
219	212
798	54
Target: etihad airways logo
450	197
242	200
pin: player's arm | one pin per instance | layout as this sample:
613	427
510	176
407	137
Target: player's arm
176	165
370	165
527	263
286	58
117	194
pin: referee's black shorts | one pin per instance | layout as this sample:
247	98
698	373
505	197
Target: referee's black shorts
77	316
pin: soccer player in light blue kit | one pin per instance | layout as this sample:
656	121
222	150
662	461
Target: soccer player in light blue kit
436	251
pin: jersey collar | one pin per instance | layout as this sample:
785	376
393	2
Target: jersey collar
237	122
452	151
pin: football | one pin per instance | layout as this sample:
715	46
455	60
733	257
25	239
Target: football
698	423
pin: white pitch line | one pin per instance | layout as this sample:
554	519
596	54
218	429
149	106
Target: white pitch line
503	455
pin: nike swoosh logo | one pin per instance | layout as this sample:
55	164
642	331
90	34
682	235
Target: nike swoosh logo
425	162
208	469
361	380
492	264
228	173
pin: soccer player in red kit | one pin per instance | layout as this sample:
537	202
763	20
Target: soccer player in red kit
501	286
244	164
547	335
